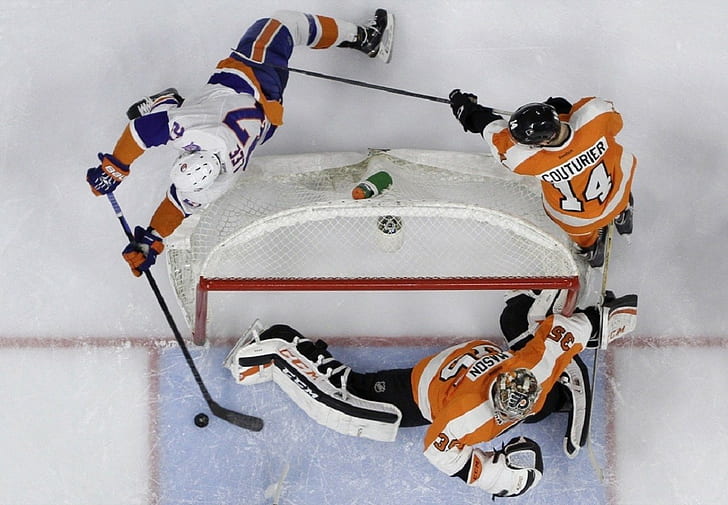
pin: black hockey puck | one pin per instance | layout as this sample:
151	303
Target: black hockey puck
201	420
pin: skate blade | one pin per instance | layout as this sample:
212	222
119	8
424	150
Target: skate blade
385	45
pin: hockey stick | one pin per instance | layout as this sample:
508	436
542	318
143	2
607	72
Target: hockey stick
602	293
363	84
396	91
243	420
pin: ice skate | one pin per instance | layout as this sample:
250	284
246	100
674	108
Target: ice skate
375	38
623	221
575	380
169	98
594	254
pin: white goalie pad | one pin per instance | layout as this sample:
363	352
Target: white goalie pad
619	318
253	361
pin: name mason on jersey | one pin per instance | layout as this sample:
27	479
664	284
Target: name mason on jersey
486	363
576	164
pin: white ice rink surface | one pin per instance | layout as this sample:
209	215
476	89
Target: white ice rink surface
97	408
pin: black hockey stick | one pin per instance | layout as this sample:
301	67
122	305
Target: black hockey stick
363	84
396	91
243	420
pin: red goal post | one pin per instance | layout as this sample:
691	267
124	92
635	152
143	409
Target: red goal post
450	221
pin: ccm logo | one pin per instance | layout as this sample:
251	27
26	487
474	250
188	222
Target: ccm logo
565	338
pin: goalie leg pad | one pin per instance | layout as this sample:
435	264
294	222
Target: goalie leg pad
250	360
619	318
575	380
313	379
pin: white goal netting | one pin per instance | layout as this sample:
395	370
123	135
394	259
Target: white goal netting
447	215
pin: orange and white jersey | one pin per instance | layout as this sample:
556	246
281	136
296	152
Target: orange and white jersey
587	180
453	387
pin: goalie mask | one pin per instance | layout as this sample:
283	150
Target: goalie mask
195	171
515	393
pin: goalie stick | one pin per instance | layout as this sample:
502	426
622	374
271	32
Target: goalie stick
242	420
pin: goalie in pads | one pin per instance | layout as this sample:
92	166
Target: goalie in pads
468	394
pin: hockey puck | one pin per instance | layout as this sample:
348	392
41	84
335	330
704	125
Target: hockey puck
201	420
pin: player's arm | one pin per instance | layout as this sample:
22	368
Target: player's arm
138	136
510	471
473	116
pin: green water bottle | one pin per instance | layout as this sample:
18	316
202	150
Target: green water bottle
372	186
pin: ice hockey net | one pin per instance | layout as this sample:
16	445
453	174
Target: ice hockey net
450	221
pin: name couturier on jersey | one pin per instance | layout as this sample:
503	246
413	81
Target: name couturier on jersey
586	175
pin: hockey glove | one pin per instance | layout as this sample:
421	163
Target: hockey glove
510	471
562	105
472	116
107	176
142	252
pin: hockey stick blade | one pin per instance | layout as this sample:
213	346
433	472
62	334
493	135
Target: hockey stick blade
244	421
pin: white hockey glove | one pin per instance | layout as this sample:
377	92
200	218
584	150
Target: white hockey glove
508	472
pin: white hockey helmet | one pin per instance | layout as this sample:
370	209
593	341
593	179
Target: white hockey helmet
195	171
515	393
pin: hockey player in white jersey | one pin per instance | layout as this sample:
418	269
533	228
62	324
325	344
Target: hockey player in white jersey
217	129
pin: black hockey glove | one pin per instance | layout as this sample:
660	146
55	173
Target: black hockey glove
562	105
472	116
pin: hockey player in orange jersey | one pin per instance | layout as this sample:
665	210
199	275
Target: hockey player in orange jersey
216	130
585	174
468	394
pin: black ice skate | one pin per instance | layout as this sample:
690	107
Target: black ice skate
169	97
623	222
376	37
594	255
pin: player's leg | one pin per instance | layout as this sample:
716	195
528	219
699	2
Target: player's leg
592	246
389	386
312	378
268	44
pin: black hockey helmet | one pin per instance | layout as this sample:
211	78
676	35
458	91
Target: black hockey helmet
534	123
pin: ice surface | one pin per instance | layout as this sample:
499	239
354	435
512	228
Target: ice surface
122	414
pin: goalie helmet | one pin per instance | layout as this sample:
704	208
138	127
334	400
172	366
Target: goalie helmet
515	393
534	124
195	171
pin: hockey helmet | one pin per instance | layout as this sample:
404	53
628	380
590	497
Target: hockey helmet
534	124
195	171
514	393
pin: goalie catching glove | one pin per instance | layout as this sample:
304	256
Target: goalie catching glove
107	176
508	472
142	252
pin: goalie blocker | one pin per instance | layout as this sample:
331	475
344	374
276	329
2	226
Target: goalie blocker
616	318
